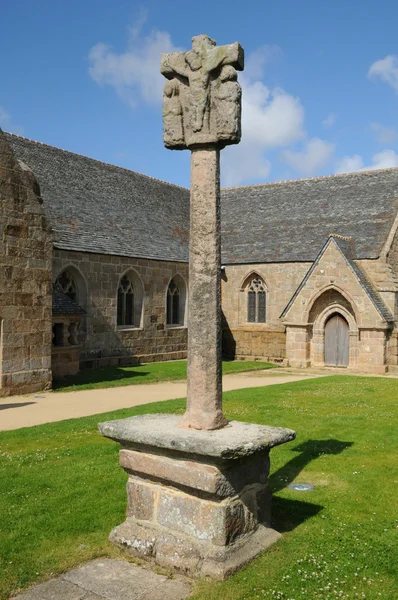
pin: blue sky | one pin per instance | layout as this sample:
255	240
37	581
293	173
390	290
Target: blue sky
320	86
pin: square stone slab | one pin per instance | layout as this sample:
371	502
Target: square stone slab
236	440
108	579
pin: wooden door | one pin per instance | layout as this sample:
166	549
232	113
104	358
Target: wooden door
337	342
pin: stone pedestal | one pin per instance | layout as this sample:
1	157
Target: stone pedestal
197	502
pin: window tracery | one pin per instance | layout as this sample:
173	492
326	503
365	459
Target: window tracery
256	301
67	285
125	302
173	304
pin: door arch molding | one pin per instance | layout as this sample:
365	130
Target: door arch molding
317	346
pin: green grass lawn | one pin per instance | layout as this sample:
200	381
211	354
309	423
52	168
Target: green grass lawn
61	492
150	373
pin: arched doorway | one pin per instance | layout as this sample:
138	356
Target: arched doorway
337	341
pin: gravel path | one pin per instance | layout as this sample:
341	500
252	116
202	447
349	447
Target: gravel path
47	407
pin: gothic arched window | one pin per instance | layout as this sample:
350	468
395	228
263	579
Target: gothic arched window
125	302
67	284
173	304
256	300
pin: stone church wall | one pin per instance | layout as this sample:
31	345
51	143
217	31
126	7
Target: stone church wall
266	341
381	274
393	255
392	348
384	275
25	272
102	341
393	260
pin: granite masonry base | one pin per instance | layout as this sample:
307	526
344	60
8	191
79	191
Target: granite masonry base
197	501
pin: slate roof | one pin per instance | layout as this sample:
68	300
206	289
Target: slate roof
289	221
63	305
96	207
346	247
100	208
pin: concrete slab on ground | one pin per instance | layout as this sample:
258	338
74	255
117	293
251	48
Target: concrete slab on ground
48	407
109	579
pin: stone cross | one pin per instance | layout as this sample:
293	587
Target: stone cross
202	112
201	102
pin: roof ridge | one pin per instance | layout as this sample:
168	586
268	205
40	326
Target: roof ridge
320	177
95	160
347	238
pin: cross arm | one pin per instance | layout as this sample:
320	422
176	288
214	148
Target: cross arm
173	64
232	54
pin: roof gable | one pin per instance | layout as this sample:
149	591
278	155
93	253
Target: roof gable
344	247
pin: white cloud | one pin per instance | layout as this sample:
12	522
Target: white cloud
6	122
315	155
271	118
258	59
242	163
349	164
5	118
380	160
384	135
387	70
135	73
330	120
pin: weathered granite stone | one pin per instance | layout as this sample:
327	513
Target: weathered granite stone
120	580
198	501
196	558
185	473
26	246
225	479
141	499
109	579
204	394
162	432
177	553
202	111
134	538
201	519
201	102
56	589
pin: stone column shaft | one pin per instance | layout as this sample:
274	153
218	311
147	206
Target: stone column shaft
204	404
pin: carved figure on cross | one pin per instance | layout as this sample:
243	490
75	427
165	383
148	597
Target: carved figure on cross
197	74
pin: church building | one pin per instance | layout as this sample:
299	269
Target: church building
94	268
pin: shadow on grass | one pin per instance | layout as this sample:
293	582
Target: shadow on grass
15	405
108	374
288	514
308	451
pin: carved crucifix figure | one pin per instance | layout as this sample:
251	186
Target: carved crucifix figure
202	112
197	73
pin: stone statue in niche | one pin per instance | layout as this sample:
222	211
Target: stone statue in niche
203	90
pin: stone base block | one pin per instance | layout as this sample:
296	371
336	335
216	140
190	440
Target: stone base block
197	501
188	555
